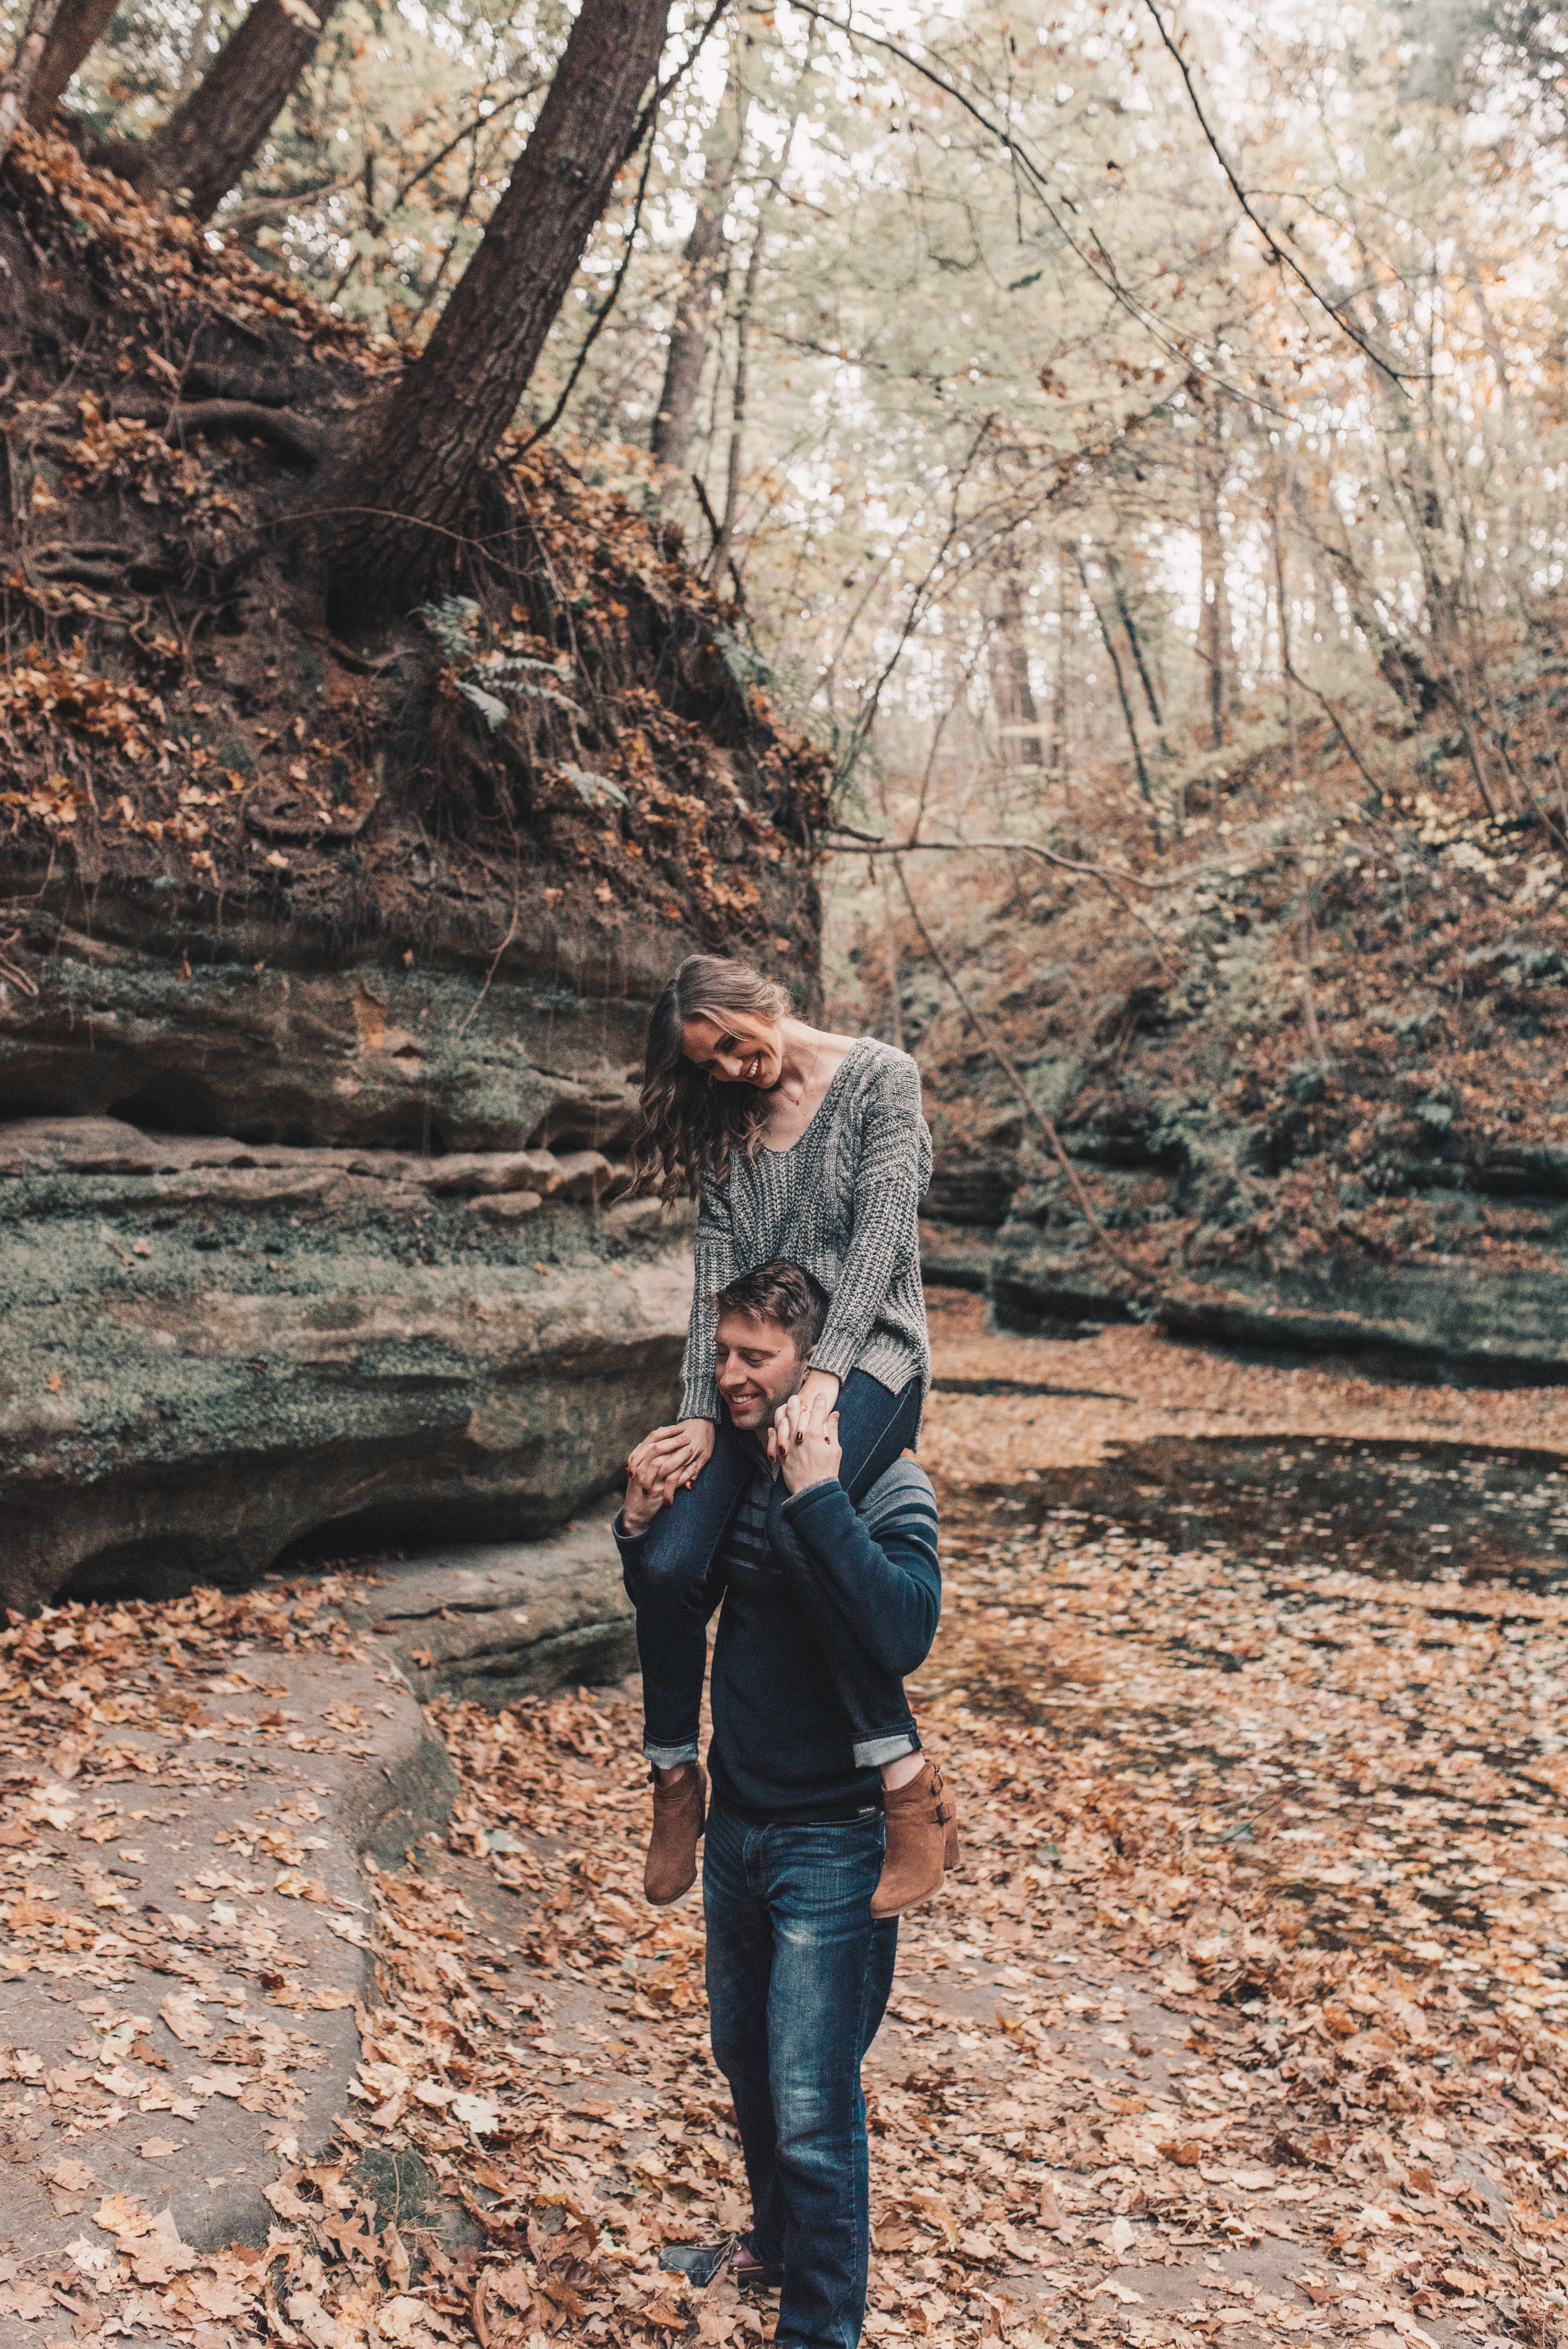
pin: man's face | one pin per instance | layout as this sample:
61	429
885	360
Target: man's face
757	1368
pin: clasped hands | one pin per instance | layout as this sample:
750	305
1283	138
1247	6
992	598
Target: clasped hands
803	1441
802	1444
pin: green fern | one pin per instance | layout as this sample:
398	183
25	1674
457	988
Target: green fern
589	786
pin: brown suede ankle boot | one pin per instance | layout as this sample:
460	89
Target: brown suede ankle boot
917	1824
680	1814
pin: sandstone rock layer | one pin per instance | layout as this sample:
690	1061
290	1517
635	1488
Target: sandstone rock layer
219	1355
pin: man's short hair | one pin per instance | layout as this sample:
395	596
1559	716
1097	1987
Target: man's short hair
781	1292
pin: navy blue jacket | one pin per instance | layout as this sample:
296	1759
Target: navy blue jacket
834	1576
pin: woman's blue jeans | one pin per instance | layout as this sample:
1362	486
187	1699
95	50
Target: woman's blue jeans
799	1973
874	1427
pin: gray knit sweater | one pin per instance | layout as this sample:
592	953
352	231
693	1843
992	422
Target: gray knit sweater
840	1203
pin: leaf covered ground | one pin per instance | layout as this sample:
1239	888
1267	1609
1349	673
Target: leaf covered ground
1241	2021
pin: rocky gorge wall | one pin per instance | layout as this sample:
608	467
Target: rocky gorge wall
308	1253
325	967
1316	1094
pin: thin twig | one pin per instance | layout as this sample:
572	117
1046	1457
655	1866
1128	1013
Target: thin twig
1276	250
712	521
495	958
1307	687
1031	1108
1121	693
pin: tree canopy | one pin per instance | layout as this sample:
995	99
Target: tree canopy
1130	378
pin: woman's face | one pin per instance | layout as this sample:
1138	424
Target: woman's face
747	1051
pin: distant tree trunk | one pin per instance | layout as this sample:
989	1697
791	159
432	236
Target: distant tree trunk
16	89
726	539
415	474
78	28
1281	620
1214	636
1060	693
212	136
702	274
1010	688
890	939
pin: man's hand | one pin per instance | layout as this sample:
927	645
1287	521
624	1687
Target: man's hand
661	1464
804	1441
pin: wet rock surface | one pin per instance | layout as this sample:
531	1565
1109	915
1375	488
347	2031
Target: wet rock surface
1414	1513
219	1353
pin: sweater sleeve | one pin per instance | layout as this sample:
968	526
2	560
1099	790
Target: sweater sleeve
891	1171
879	1582
717	1262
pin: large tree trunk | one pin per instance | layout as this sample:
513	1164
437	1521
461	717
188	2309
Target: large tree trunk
211	137
411	492
17	88
78	28
702	275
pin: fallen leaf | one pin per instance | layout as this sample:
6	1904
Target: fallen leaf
180	2011
477	2112
70	2177
322	2331
161	2254
399	2319
123	2215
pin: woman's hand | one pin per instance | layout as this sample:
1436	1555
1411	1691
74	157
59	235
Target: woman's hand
818	1382
664	1461
789	1428
804	1440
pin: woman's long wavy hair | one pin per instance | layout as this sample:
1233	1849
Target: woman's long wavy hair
690	1123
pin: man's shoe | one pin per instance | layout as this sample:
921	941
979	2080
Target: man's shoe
680	1814
919	1824
703	2261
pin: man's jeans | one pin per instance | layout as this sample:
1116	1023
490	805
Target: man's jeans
799	1973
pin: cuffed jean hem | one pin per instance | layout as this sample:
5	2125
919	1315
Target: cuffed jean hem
873	1752
669	1758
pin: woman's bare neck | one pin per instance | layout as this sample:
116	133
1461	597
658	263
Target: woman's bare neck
812	1058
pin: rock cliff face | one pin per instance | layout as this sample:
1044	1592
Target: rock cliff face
324	968
1312	1088
219	1353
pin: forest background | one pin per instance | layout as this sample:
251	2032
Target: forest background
1131	445
1060	386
